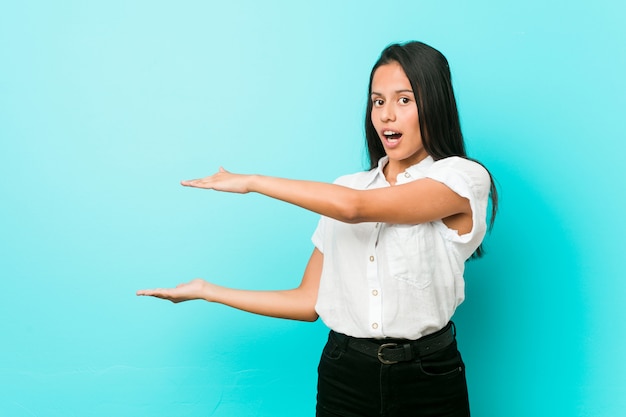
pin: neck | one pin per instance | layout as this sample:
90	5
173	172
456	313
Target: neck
395	167
391	172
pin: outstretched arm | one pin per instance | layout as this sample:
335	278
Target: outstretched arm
295	304
419	201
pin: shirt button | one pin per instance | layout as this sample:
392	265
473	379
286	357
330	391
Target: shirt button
374	325
374	293
372	258
407	175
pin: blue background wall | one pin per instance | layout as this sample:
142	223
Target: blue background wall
106	105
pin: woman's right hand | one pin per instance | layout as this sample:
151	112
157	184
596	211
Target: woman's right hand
196	289
295	304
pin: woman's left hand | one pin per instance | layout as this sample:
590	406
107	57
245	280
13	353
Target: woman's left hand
222	181
196	289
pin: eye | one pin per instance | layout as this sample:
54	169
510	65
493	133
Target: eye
405	100
377	102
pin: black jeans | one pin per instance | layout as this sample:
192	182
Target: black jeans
352	384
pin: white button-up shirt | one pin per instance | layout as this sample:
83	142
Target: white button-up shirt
394	280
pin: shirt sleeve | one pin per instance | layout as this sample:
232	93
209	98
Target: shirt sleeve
471	180
352	181
318	234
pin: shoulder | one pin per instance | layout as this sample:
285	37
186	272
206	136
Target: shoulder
461	164
456	170
475	171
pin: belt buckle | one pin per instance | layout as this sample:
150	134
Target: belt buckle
380	353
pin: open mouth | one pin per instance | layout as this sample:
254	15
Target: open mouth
391	135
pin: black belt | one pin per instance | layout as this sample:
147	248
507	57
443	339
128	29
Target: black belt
389	351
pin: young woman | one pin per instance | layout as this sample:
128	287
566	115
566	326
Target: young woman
386	274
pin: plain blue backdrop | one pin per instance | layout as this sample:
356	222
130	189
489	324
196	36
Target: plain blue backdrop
106	105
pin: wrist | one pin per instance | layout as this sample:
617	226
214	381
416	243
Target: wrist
206	291
214	293
254	181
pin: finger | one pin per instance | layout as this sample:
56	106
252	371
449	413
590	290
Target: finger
157	292
147	292
198	183
188	183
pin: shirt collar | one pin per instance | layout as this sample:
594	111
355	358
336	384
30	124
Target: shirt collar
419	170
414	171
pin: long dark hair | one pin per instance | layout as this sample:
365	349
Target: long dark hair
429	74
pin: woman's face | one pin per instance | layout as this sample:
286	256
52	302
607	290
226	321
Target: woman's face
394	116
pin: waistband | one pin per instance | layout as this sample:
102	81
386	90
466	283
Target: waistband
390	351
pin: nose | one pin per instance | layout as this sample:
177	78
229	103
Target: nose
388	113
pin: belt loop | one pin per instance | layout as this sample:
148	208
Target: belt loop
453	328
408	352
341	340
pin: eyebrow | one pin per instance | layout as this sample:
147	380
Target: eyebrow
397	91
